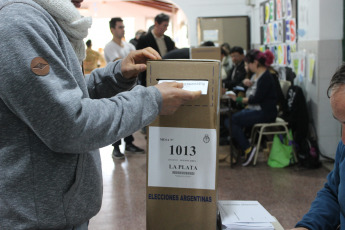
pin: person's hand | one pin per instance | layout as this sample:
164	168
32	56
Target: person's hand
135	62
174	96
233	97
247	82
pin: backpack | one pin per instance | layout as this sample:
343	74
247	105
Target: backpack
304	135
308	154
297	113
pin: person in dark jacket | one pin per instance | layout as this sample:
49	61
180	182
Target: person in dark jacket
138	34
182	53
237	72
261	103
156	39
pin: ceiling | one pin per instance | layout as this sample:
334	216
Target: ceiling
159	5
155	4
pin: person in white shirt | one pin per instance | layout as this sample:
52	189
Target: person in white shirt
116	49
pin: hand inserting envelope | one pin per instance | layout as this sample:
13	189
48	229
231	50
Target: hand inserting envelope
191	85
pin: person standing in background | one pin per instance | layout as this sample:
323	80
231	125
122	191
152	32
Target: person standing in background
156	39
138	34
114	50
117	48
93	59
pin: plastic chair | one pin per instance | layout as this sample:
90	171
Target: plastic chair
266	129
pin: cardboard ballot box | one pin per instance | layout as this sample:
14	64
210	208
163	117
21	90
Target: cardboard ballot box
182	151
205	53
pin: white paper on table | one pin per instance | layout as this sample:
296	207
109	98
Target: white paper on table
249	226
182	158
191	85
243	211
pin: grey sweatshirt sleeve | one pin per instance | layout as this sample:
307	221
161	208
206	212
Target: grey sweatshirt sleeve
108	81
56	106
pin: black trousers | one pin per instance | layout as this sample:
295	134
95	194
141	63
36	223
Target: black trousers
128	140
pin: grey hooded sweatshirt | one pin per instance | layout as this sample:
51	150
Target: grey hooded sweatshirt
52	124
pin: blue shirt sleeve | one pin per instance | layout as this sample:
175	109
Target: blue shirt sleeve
325	211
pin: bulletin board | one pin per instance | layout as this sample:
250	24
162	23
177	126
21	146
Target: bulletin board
221	29
278	29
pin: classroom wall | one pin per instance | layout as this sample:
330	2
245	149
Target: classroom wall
321	33
207	8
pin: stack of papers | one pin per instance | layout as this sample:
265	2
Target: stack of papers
238	215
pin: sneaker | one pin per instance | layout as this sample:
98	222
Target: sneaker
249	156
133	149
117	153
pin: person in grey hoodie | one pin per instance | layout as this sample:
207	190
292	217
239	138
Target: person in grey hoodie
53	120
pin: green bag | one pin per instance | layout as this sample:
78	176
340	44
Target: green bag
281	154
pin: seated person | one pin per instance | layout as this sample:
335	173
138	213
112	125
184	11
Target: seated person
207	43
250	80
261	101
237	72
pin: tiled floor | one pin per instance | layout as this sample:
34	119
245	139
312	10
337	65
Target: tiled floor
285	193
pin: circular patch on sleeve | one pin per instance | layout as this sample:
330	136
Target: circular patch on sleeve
39	66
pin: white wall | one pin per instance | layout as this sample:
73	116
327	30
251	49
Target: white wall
207	8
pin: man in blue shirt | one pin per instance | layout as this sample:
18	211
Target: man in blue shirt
327	210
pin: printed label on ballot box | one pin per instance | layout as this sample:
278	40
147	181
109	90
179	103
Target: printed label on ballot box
182	158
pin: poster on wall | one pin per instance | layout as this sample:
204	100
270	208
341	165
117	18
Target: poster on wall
283	8
290	30
289	12
281	54
279	9
311	66
279	31
299	64
274	50
270	34
271	11
278	27
267	12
